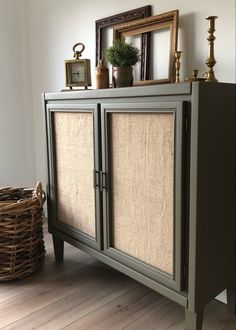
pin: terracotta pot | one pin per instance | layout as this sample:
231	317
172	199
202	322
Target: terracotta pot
123	76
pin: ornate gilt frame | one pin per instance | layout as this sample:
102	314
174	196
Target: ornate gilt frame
127	16
146	25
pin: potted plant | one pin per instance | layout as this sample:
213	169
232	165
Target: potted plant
122	56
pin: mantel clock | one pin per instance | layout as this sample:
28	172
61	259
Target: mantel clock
77	71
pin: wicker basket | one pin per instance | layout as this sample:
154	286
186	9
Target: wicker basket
21	235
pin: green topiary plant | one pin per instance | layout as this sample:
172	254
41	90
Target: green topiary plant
122	54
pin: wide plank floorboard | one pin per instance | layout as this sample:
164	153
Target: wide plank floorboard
82	293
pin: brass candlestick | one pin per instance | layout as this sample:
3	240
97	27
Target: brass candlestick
195	74
211	59
177	66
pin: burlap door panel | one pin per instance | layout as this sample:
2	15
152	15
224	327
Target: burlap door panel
74	155
142	186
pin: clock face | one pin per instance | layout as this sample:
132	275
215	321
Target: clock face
77	72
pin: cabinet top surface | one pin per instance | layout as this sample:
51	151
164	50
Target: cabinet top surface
164	89
144	91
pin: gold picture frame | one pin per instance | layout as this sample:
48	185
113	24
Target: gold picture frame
146	25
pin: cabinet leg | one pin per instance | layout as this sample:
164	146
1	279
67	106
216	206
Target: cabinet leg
231	299
193	320
58	248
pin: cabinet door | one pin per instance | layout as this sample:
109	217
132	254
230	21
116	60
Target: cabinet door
73	159
142	158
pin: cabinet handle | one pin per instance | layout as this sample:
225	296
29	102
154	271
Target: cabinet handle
104	181
96	179
99	180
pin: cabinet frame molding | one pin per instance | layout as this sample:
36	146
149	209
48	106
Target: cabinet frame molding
84	238
177	109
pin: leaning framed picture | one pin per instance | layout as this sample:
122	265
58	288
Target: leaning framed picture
104	36
163	34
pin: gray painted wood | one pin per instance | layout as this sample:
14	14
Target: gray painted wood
156	90
58	245
193	320
208	228
231	298
212	192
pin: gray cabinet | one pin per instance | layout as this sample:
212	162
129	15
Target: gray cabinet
143	179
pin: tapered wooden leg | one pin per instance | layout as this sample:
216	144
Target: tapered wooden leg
193	320
58	248
231	299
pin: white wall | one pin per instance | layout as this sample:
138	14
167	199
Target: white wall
37	35
17	159
56	25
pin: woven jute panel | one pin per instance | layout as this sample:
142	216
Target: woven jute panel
21	235
142	181
73	132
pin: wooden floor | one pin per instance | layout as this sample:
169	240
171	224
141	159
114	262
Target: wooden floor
82	293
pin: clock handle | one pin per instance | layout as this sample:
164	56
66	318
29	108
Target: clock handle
77	53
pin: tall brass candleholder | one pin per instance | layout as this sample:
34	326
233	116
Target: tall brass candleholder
177	66
211	59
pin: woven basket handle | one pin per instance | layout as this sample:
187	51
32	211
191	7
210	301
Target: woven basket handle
40	194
